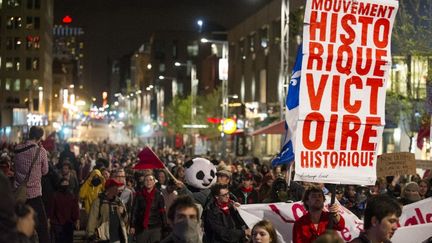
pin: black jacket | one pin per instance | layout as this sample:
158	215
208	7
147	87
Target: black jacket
157	217
249	198
220	227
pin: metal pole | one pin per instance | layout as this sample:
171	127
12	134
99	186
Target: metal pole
194	83
224	101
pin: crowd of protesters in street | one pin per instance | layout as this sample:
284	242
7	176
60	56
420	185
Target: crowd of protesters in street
93	187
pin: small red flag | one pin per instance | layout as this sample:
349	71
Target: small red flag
148	160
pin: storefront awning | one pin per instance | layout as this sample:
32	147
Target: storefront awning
277	127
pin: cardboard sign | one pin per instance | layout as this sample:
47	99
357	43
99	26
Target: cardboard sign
424	164
346	63
402	163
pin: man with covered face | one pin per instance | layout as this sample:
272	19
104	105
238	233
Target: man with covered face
183	217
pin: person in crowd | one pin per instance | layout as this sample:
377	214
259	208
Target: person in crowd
316	221
246	194
25	224
67	173
222	222
6	165
266	187
105	173
264	232
8	232
148	213
125	193
410	193
349	199
169	193
50	182
92	187
108	217
183	217
84	168
223	177
67	154
381	219
179	173
63	213
161	179
329	236
424	189
24	158
279	191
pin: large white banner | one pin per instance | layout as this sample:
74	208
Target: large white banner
346	63
283	216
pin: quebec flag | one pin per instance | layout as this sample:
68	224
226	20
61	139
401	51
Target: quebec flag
286	156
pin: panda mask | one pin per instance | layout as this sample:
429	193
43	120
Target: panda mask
200	173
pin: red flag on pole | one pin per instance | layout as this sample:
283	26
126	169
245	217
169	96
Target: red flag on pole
49	142
148	160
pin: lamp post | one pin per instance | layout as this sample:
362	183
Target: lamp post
223	75
194	90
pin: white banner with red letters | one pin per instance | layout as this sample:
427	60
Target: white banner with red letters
345	67
283	216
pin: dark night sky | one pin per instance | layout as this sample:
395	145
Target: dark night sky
116	27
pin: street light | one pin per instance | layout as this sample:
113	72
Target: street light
223	75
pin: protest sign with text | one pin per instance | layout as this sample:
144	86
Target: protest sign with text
346	62
283	216
393	164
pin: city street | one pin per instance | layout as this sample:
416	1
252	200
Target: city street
97	132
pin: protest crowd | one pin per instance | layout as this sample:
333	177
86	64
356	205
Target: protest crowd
123	193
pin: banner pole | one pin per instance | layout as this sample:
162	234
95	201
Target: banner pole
332	188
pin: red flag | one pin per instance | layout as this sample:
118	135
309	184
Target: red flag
423	133
148	160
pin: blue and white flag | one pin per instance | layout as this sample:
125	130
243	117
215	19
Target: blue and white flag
286	156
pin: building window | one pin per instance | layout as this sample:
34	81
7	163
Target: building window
8	84
27	84
276	31
17	63
13	3
192	50
29	23
17	43
35	64
28	63
264	38
13	23
252	43
32	42
33	4
9	64
36	23
242	50
9	43
17	85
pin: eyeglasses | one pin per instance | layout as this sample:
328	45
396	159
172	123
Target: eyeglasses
224	195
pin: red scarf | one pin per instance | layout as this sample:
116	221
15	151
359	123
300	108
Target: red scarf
246	190
148	197
224	207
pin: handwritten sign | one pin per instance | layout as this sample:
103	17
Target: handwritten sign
424	164
402	163
345	67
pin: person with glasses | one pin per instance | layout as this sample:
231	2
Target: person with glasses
222	222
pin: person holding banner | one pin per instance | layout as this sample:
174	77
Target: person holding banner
381	220
316	221
222	221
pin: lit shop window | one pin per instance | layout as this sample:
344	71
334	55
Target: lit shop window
27	84
17	64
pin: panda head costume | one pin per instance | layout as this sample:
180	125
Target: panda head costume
200	173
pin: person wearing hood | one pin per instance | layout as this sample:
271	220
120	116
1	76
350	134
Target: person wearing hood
63	213
183	217
410	193
91	188
68	155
